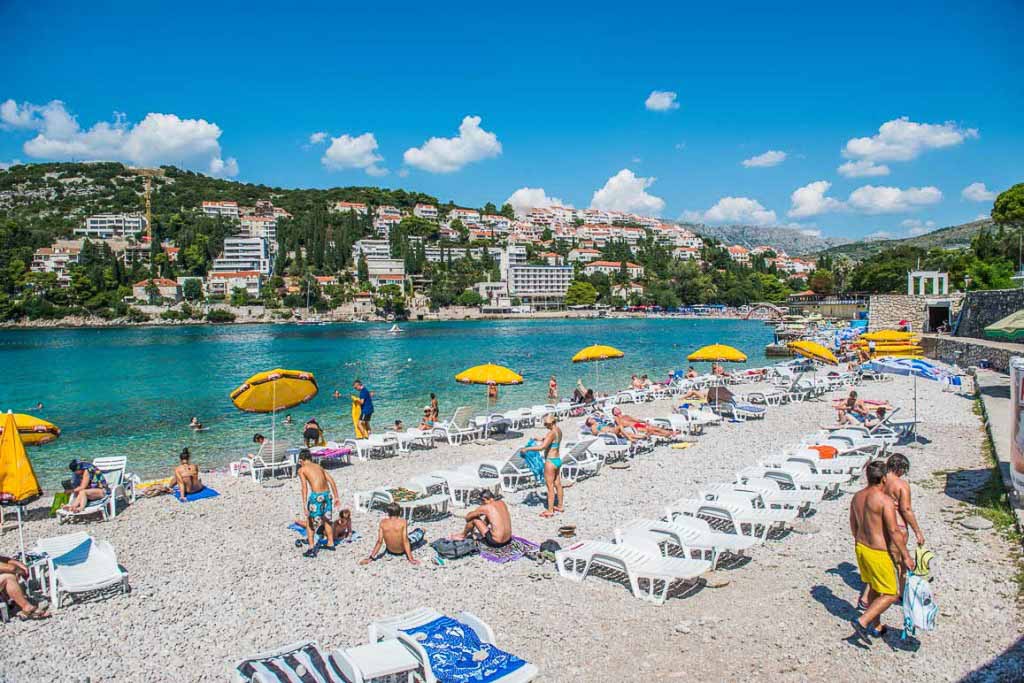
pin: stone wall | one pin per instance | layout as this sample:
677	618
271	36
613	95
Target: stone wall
983	308
885	311
965	352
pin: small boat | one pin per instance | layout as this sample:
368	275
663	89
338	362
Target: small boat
315	320
395	329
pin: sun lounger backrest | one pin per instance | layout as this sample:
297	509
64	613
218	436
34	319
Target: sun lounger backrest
112	468
641	543
462	416
278	454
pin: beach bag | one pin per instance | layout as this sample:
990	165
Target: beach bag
452	550
550	546
919	608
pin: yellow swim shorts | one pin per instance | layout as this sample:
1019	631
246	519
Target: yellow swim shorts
877	570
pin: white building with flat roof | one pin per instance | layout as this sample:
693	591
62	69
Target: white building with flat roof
370	249
224	284
427	211
537	284
105	226
243	254
224	209
260	226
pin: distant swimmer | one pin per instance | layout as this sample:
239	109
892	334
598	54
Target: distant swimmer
336	394
39	406
288	419
195	424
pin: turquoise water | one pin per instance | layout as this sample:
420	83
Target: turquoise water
132	391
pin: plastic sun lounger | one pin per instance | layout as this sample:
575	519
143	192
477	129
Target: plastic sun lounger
459	429
751	504
120	484
724	517
302	661
460	485
770	494
774	489
638	557
396	627
690	542
77	563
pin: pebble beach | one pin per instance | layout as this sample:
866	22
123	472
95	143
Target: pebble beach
220	579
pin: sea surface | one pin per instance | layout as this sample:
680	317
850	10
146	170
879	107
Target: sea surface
133	391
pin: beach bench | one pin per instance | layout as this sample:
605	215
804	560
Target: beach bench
272	457
120	483
302	661
693	534
79	564
433	505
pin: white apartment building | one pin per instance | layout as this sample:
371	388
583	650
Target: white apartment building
356	207
467	216
105	226
492	291
583	255
371	249
634	270
496	222
224	209
739	254
244	254
383	224
535	284
224	284
57	259
427	211
261	226
686	254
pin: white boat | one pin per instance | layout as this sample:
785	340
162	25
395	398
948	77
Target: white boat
395	329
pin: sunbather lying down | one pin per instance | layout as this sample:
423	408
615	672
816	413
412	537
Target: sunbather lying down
595	428
630	422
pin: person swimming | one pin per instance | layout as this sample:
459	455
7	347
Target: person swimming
195	423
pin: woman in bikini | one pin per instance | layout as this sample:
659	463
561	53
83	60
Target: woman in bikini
552	465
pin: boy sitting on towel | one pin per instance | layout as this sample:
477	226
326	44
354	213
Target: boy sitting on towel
318	492
490	523
395	536
342	526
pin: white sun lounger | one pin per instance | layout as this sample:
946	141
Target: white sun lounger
302	661
724	517
770	494
459	429
77	563
460	484
779	490
752	504
638	557
120	484
395	627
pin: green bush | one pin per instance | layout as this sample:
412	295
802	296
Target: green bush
136	316
219	315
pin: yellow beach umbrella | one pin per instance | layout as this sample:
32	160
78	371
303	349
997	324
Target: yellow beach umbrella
597	353
887	336
33	430
719	353
488	373
813	350
18	483
274	390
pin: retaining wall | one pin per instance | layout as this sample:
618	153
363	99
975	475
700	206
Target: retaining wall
983	308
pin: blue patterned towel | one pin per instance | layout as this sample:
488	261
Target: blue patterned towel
451	646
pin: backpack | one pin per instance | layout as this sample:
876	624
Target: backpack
453	550
919	608
550	546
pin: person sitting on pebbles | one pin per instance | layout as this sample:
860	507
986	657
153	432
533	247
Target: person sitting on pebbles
491	523
395	536
186	475
10	589
630	422
342	527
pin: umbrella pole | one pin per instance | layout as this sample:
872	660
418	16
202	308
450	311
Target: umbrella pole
21	532
273	419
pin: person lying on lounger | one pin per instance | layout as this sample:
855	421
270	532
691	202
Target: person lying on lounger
629	422
695	395
595	428
88	483
395	536
491	523
186	475
10	589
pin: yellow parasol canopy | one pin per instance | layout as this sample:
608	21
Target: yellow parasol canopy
814	351
18	483
597	352
887	336
488	373
273	390
718	352
33	431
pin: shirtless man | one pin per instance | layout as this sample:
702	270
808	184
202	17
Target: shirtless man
875	529
596	430
186	475
490	523
897	467
10	588
628	421
319	493
395	536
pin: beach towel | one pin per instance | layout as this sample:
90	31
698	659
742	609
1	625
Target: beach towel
534	460
321	540
457	656
205	492
512	551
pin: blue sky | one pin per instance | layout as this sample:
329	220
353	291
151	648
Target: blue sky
560	92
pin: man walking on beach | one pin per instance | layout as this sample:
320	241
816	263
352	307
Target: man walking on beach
897	467
365	400
875	531
319	492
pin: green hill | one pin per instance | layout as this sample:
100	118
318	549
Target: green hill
953	237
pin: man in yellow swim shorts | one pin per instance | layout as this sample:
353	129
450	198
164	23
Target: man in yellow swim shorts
874	528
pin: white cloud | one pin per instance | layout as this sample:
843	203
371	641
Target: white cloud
977	192
661	100
862	169
444	155
526	198
880	199
917	227
810	200
626	191
902	140
772	157
347	152
735	210
4	165
157	139
317	137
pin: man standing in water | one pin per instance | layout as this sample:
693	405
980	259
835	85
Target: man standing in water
365	400
874	528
